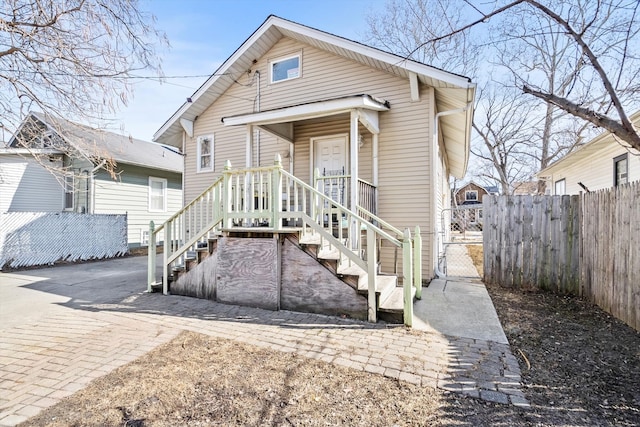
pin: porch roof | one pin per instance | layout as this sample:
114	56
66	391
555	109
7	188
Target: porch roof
453	92
308	110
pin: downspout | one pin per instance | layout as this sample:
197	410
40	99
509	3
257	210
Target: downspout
92	200
434	194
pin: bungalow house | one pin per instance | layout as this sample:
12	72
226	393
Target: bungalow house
603	162
467	206
335	149
58	166
472	193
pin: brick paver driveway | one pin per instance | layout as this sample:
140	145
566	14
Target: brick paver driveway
62	327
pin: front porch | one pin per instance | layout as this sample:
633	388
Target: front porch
271	209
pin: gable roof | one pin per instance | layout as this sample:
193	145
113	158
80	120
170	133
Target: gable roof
99	144
586	150
452	91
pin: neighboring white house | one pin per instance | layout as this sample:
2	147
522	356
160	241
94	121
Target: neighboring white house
603	162
57	166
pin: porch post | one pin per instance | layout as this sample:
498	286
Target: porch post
353	158
354	232
374	162
247	199
249	146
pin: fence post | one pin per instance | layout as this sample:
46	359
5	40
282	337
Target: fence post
371	275
226	194
417	262
151	254
407	282
276	193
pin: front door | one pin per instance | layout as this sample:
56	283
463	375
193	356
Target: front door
330	159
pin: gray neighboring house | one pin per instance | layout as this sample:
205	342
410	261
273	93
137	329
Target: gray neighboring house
54	165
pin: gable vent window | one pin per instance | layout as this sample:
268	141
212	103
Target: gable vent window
287	68
621	170
205	153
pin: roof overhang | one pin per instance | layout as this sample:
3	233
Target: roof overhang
274	29
585	151
309	110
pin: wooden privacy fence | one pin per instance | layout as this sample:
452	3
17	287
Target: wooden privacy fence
40	238
587	245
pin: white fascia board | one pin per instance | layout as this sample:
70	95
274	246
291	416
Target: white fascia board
374	53
27	151
214	77
305	111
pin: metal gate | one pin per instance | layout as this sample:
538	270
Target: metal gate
460	238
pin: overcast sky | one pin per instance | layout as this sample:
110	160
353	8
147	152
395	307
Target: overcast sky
204	33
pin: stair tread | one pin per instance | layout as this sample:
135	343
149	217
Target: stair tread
310	239
351	270
384	284
332	254
395	301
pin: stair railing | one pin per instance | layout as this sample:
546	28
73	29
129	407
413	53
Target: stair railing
272	198
185	231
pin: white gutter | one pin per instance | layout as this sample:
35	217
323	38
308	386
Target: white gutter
434	194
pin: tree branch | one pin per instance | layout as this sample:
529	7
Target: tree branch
600	120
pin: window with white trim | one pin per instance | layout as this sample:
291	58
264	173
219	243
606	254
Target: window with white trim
560	187
285	68
205	153
157	194
471	196
621	170
144	237
69	191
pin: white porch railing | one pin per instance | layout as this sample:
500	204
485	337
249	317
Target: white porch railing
272	200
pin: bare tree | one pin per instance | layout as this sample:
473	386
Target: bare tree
405	24
71	59
603	52
504	125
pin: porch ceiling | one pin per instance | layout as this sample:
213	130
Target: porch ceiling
309	110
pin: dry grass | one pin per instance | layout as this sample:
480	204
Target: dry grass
476	254
199	380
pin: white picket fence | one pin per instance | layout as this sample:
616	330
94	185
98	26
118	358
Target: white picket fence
40	238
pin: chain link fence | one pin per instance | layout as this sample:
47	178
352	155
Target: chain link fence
460	241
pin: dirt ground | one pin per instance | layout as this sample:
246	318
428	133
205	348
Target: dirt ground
580	367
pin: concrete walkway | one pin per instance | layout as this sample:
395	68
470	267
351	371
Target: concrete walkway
62	327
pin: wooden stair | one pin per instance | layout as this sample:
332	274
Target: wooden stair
389	294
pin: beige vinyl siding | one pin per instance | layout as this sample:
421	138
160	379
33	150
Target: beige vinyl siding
404	141
596	170
130	194
27	186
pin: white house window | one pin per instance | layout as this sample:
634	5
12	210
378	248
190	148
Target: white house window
69	187
144	237
560	187
205	153
287	68
157	194
621	170
471	196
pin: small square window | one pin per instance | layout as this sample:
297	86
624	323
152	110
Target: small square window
471	196
282	69
157	194
205	153
621	170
